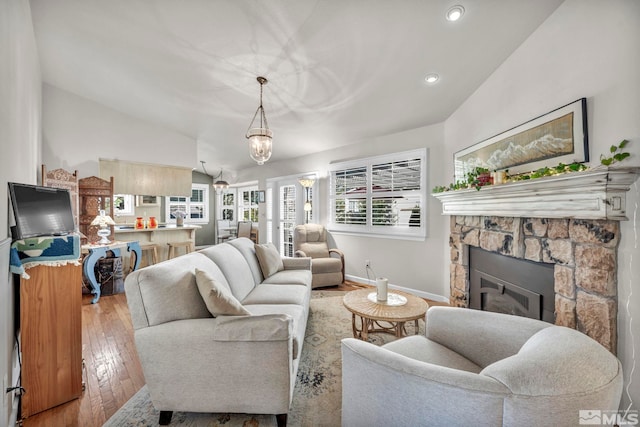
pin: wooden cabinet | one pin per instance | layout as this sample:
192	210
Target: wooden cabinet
51	336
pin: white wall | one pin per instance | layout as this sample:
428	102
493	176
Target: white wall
20	123
587	48
409	264
76	132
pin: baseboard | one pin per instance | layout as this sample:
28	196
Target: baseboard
422	294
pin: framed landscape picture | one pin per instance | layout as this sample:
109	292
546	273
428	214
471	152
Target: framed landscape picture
559	136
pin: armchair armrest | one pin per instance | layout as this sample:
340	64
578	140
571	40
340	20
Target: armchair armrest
341	255
296	263
300	253
338	252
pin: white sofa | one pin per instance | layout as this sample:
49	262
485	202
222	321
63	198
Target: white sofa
476	368
195	362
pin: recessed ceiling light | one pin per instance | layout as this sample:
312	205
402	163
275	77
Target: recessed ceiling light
431	78
454	13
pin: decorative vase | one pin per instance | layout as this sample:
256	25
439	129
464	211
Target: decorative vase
382	288
485	179
139	225
499	177
179	221
152	222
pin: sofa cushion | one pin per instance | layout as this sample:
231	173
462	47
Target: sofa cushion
168	291
269	259
278	294
246	249
235	267
290	277
421	348
218	297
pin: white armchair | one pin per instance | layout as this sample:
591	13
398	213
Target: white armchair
478	368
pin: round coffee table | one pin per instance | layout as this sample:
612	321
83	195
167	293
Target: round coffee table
371	312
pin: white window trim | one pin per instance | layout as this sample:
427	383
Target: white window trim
412	233
221	206
129	208
188	219
240	206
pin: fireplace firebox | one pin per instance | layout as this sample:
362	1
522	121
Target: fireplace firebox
509	285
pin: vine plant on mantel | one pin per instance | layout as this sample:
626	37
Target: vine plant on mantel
480	177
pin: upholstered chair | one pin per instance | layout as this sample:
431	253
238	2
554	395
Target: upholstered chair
223	230
477	368
248	229
244	229
327	264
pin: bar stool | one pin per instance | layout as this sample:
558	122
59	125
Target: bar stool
149	249
187	245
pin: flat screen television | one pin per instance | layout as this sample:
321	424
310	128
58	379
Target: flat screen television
40	211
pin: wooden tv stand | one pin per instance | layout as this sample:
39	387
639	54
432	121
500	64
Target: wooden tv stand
51	336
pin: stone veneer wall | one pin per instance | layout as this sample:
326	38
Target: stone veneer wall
584	253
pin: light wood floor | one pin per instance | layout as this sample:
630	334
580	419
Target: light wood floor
112	372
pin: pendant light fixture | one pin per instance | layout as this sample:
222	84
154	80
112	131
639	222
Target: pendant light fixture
260	137
220	184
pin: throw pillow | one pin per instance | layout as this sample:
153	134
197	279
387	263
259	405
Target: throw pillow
217	297
269	259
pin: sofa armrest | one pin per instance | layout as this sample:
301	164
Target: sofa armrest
269	327
296	263
184	367
423	393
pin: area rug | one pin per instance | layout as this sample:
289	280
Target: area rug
317	397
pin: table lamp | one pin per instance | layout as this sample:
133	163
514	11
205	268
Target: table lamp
103	221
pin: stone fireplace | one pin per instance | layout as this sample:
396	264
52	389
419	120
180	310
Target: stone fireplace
570	221
583	254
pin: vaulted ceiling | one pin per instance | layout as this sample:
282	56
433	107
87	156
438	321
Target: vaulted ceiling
339	71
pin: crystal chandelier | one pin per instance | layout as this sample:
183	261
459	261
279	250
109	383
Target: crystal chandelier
260	137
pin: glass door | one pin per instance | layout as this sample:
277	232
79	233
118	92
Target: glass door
287	218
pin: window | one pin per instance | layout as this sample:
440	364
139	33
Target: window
196	207
123	204
248	204
229	205
287	216
383	195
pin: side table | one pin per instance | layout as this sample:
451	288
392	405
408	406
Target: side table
96	252
371	313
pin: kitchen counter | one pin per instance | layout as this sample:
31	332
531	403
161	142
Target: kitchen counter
162	227
162	235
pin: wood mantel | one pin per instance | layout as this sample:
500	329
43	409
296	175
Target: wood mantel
598	193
